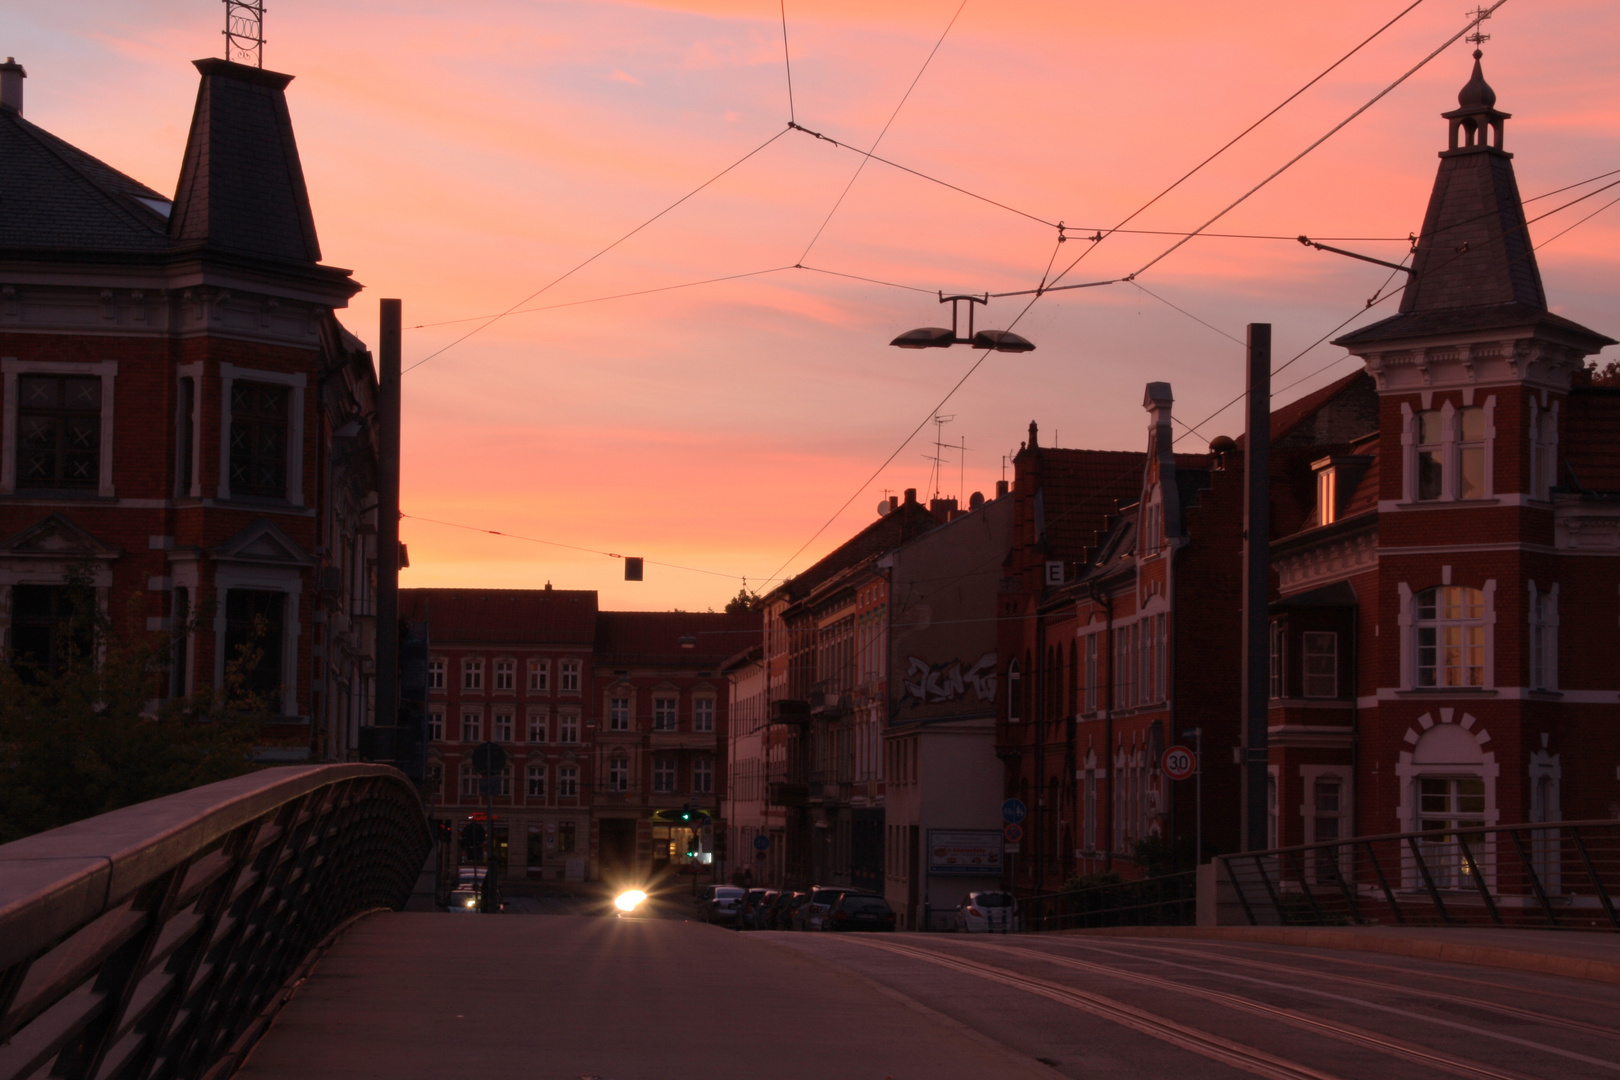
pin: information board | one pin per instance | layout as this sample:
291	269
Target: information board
965	851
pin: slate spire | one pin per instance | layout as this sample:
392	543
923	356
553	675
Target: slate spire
241	188
1475	250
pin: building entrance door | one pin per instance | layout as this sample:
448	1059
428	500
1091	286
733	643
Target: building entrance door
618	849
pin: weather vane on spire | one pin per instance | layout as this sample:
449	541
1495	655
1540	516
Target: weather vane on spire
1478	37
244	32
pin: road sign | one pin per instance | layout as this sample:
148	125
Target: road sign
761	843
489	758
1178	763
1013	811
1012	833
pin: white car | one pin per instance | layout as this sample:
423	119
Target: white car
987	913
719	904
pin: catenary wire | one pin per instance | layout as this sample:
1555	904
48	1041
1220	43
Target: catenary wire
1376	98
569	273
1242	134
787	63
903	97
1583	221
575	547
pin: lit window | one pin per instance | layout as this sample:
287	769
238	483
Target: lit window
503	727
664	714
702	776
1456	804
663	775
472	674
1327	495
539	676
1471	453
1321	656
567	788
569	673
703	714
537	781
1450	628
436	674
505	674
1431	453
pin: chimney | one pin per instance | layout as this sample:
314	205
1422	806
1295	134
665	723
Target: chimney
1001	489
11	85
911	496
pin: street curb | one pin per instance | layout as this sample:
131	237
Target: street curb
1391	942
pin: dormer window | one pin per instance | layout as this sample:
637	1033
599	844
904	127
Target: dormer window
1327	492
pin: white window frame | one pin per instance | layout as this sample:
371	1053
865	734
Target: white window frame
568	726
285	580
619	712
537	725
1543	641
618	774
703	776
1543	449
1091	675
703	712
539	676
436	725
502	726
666	711
472	725
436	671
472	674
296	380
568	677
664	775
1450	450
536	787
470	777
1305	656
568	781
1439	624
10	368
505	669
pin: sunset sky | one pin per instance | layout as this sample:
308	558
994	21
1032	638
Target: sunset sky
463	155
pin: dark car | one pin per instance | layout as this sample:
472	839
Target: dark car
859	911
754	901
771	913
788	911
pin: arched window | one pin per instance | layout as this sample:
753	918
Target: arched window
1450	636
1452	794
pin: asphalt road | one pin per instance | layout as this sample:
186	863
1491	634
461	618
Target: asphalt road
578	996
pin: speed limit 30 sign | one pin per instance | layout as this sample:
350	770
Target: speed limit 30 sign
1178	763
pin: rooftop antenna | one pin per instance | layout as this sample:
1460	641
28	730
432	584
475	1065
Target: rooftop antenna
244	32
940	446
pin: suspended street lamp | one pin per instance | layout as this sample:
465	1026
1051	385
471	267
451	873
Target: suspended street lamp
938	337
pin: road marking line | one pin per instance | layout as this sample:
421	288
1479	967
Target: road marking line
1450	999
1306	1019
1237	1055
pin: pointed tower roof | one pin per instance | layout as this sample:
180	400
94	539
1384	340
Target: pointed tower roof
241	188
1475	267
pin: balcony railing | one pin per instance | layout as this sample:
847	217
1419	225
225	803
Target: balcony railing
1560	875
156	940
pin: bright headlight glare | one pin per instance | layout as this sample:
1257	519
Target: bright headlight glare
627	901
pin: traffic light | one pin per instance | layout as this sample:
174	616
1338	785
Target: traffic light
686	813
692	844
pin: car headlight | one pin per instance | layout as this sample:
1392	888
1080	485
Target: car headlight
629	900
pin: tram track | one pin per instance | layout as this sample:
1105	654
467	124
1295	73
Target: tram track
1238	1055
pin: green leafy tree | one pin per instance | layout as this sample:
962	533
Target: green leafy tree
85	734
1607	375
743	601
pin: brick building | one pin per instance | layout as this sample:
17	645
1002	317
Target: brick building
182	413
1446	557
612	722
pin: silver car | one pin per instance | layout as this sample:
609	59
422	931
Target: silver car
719	904
988	912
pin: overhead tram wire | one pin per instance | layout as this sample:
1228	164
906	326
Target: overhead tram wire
787	63
1244	133
569	273
1376	98
575	547
887	124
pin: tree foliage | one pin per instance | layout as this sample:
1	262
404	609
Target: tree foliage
743	601
87	735
1607	375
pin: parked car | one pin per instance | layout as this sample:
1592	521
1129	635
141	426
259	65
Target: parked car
815	908
859	911
463	900
987	912
770	914
753	906
788	911
719	904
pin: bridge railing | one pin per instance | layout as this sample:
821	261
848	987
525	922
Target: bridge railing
1558	875
155	941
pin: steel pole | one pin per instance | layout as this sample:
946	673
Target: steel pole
1256	585
385	702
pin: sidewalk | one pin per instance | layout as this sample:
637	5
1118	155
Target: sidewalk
1573	954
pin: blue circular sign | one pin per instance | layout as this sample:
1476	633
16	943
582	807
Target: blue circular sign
761	843
1013	811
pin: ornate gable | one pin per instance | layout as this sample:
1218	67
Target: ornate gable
56	537
262	542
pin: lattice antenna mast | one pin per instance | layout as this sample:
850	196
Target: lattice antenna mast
244	32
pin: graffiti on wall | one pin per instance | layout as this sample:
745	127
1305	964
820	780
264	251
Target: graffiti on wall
950	680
